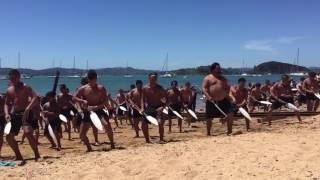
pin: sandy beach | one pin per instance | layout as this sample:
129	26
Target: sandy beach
286	150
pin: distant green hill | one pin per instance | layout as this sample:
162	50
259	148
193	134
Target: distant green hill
273	67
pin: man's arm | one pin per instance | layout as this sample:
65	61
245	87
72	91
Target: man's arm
205	89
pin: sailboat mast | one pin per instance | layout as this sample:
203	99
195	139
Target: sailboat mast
298	53
74	62
19	60
167	68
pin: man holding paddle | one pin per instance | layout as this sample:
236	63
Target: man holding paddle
19	102
65	102
155	100
137	104
215	88
51	113
311	88
92	98
174	99
281	95
186	98
2	120
239	96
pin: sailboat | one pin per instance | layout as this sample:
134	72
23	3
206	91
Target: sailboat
166	73
74	68
297	72
23	76
127	72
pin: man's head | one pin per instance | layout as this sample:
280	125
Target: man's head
267	82
174	84
241	82
14	76
50	96
285	79
63	89
84	81
153	77
187	85
92	76
132	86
139	84
120	91
302	79
215	68
312	75
258	85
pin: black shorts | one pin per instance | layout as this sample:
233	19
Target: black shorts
86	115
189	105
136	114
175	107
120	112
66	113
55	125
3	123
276	104
311	96
255	103
225	105
16	122
302	98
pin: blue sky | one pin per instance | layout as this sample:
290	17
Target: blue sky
109	33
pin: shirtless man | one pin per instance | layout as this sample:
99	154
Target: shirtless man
38	120
51	111
155	100
121	101
280	94
2	120
265	89
310	86
174	99
65	103
215	88
187	98
130	109
137	104
239	96
255	96
92	97
301	98
85	81
110	106
19	101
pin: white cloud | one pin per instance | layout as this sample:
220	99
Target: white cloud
268	44
287	40
259	45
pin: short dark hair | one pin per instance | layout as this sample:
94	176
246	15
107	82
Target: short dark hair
14	72
284	76
241	80
62	87
174	81
132	86
139	82
302	78
257	84
213	66
50	94
84	80
153	74
312	74
92	74
187	83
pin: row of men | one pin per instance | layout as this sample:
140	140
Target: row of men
21	105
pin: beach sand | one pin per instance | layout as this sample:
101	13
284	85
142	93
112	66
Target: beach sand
286	150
